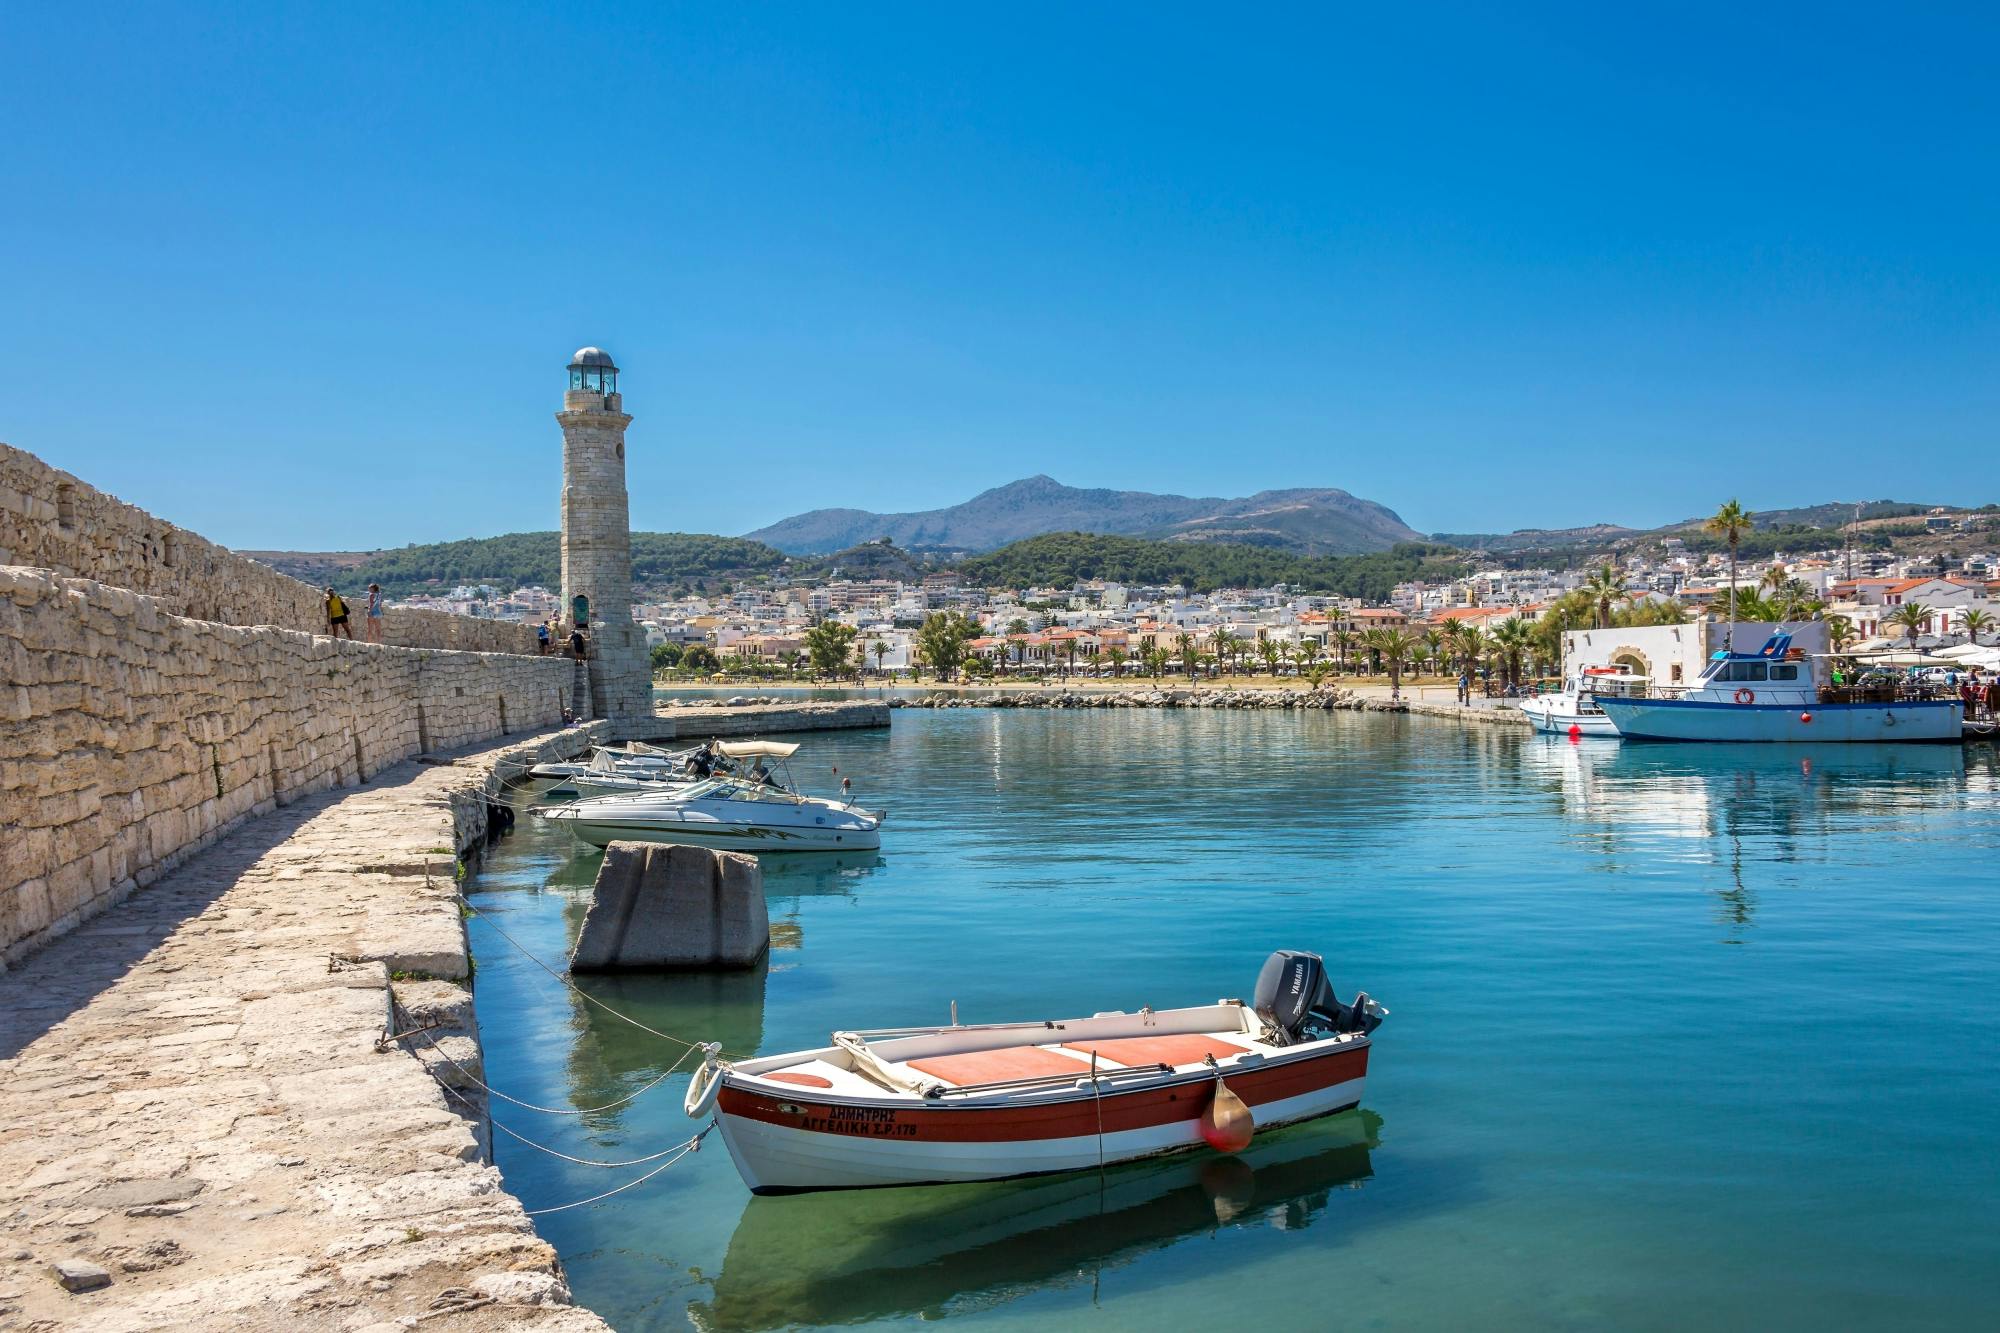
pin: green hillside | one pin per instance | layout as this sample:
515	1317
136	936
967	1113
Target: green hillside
1060	559
659	560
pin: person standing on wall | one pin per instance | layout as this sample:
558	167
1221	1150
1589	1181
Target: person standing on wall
336	615
542	638
372	620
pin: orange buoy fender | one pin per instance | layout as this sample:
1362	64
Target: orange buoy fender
1227	1123
1805	717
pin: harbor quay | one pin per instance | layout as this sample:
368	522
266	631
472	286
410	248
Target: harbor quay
239	1061
207	1116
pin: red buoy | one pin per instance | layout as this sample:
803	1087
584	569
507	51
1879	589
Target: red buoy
1805	717
1227	1124
1575	732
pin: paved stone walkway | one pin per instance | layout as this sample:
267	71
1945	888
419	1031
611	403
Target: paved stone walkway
192	1101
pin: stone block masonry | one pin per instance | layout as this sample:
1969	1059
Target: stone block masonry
131	737
51	520
194	1102
657	907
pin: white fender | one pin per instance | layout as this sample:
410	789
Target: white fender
706	1084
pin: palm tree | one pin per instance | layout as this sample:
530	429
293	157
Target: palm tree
1184	645
1839	632
1453	636
1473	643
1605	587
1308	652
881	650
1394	645
1433	644
1976	622
1912	616
1344	641
1732	524
1223	644
1371	643
1117	657
1511	638
1268	650
1795	601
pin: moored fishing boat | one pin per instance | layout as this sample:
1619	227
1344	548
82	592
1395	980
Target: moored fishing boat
1772	695
1574	711
912	1106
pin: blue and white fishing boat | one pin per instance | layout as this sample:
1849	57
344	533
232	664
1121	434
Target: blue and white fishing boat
1771	695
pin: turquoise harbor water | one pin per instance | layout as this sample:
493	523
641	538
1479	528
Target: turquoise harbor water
1681	1037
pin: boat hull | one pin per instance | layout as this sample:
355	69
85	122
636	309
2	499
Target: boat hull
789	1144
1701	720
730	838
1553	719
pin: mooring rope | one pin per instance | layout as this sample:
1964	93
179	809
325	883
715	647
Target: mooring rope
568	984
557	1110
692	1145
471	1105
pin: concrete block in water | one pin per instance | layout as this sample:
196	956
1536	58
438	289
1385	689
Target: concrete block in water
673	907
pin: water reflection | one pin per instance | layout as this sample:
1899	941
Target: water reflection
817	874
1734	807
872	1254
609	1058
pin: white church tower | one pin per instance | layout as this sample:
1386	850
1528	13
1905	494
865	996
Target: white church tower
597	541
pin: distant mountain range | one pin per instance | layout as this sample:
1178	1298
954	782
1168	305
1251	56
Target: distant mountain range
1306	521
1823	516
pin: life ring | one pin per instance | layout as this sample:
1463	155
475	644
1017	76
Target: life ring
1746	695
705	1086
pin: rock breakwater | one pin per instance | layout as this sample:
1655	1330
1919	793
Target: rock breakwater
1278	700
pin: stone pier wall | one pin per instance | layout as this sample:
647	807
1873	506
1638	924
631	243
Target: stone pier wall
51	520
131	736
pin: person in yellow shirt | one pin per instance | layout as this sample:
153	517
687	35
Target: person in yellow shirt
336	615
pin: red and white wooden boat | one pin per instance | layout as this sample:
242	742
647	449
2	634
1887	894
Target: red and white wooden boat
914	1106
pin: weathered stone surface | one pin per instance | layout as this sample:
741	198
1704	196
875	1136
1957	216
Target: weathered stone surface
679	720
659	906
80	1275
596	553
54	521
140	743
193	1098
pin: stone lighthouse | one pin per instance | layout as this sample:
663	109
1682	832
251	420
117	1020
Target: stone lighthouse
597	542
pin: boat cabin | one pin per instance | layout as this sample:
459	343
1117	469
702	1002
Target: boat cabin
1776	673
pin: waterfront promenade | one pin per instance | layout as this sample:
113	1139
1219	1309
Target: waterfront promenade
192	1097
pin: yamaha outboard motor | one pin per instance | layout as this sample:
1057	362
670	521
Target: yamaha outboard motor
1296	998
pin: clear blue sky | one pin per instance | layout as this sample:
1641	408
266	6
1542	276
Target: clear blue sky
307	276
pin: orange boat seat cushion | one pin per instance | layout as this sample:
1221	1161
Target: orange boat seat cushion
997	1066
1188	1049
803	1080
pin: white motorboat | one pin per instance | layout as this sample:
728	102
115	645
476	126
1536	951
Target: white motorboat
635	759
1574	711
1771	695
745	809
914	1106
727	813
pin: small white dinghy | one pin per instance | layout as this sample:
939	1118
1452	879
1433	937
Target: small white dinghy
636	758
916	1106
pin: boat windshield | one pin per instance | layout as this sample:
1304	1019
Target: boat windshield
734	789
